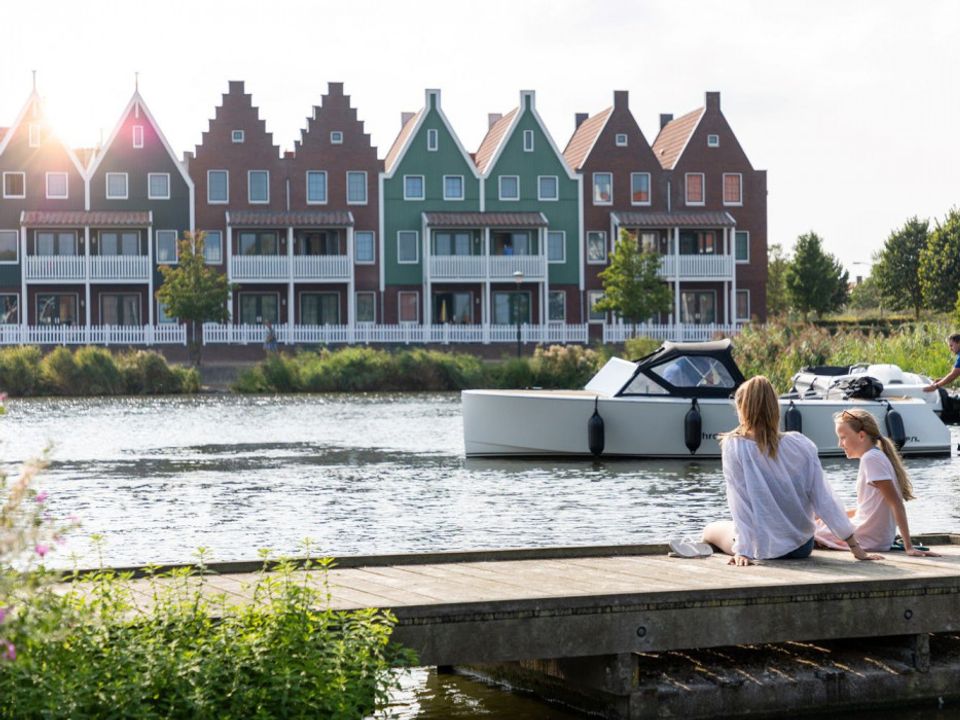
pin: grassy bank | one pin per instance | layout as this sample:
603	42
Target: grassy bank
25	371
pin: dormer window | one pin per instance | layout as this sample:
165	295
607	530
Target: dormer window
138	136
621	139
336	137
713	141
34	135
237	136
432	140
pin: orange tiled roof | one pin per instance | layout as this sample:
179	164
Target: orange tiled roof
401	140
492	140
485	219
80	218
316	218
673	138
584	137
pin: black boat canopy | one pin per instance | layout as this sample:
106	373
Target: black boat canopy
695	370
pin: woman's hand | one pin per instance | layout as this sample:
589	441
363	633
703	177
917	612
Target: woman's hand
913	552
740	561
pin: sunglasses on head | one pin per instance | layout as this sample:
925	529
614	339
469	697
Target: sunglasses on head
849	417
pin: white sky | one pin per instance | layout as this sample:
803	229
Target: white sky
852	107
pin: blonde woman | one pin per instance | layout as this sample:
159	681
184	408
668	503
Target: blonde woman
882	486
775	487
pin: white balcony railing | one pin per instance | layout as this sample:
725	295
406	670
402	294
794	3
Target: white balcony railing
479	267
54	267
321	267
169	334
678	332
260	267
458	267
502	267
697	266
119	267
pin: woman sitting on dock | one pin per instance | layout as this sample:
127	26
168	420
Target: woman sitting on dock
882	486
775	487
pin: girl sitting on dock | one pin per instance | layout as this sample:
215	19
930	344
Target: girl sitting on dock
775	487
882	486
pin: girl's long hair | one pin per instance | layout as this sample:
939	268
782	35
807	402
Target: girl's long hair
859	420
759	411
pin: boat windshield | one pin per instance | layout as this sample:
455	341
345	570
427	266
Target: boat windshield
694	371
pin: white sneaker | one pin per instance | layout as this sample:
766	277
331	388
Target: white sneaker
689	548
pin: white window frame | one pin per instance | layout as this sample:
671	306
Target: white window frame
463	188
713	140
226	175
366	194
33	133
373	247
400	305
433	140
138	136
150	195
250	188
591	294
736	304
593	188
66	185
326	187
703	189
603	236
126	186
528	143
373	295
16	247
23	175
423	187
238	136
336	137
162	317
716	307
207	235
556	181
737	260
563	295
16	319
416	245
621	139
649	189
723	189
500	180
117	293
176	247
563	246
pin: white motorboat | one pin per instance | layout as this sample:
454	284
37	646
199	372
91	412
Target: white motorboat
671	403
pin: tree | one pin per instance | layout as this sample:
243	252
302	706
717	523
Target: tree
777	262
866	295
940	264
896	267
632	286
193	291
815	280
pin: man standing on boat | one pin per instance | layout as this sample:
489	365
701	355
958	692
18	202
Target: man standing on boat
954	342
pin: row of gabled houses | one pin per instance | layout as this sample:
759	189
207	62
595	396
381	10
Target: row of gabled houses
329	234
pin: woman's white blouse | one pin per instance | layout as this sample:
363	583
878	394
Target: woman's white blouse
774	502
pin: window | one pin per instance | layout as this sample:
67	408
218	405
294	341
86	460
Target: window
259	308
741	246
548	187
59	243
14	185
262	243
218	186
408	306
363	250
120	309
138	136
602	188
432	140
34	135
713	141
124	243
356	188
557	306
640	188
509	187
691	371
698	242
698	307
258	186
448	243
510	308
318	242
166	247
316	187
213	247
366	309
56	309
158	186
57	186
336	137
9	246
408	246
596	248
556	246
694	188
528	140
621	139
116	186
9	309
163	317
511	243
320	309
732	189
237	136
453	307
593	297
413	187
743	304
453	187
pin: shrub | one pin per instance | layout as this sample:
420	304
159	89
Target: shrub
97	372
146	372
20	370
59	372
564	366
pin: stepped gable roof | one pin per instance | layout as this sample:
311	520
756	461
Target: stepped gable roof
584	137
673	138
333	100
237	95
76	218
394	153
492	140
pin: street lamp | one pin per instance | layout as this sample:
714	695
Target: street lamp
518	279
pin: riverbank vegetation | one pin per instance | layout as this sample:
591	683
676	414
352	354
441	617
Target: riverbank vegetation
26	371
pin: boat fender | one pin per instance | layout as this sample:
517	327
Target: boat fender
895	429
793	419
595	438
692	427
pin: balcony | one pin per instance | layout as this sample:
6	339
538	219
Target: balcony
480	267
260	267
54	267
321	267
120	267
720	267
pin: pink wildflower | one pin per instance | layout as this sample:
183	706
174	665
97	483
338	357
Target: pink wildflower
11	651
3	614
41	496
41	549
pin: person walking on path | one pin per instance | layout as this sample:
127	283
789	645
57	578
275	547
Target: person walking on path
954	342
270	343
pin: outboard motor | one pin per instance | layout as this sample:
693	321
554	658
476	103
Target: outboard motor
692	427
595	437
895	429
792	419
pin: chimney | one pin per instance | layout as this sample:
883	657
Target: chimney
187	158
665	118
579	118
405	118
493	119
713	101
621	98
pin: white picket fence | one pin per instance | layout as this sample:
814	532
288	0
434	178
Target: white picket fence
677	333
171	334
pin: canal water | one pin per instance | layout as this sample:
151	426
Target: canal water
363	474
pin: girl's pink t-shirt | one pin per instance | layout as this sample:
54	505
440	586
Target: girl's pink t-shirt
873	520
